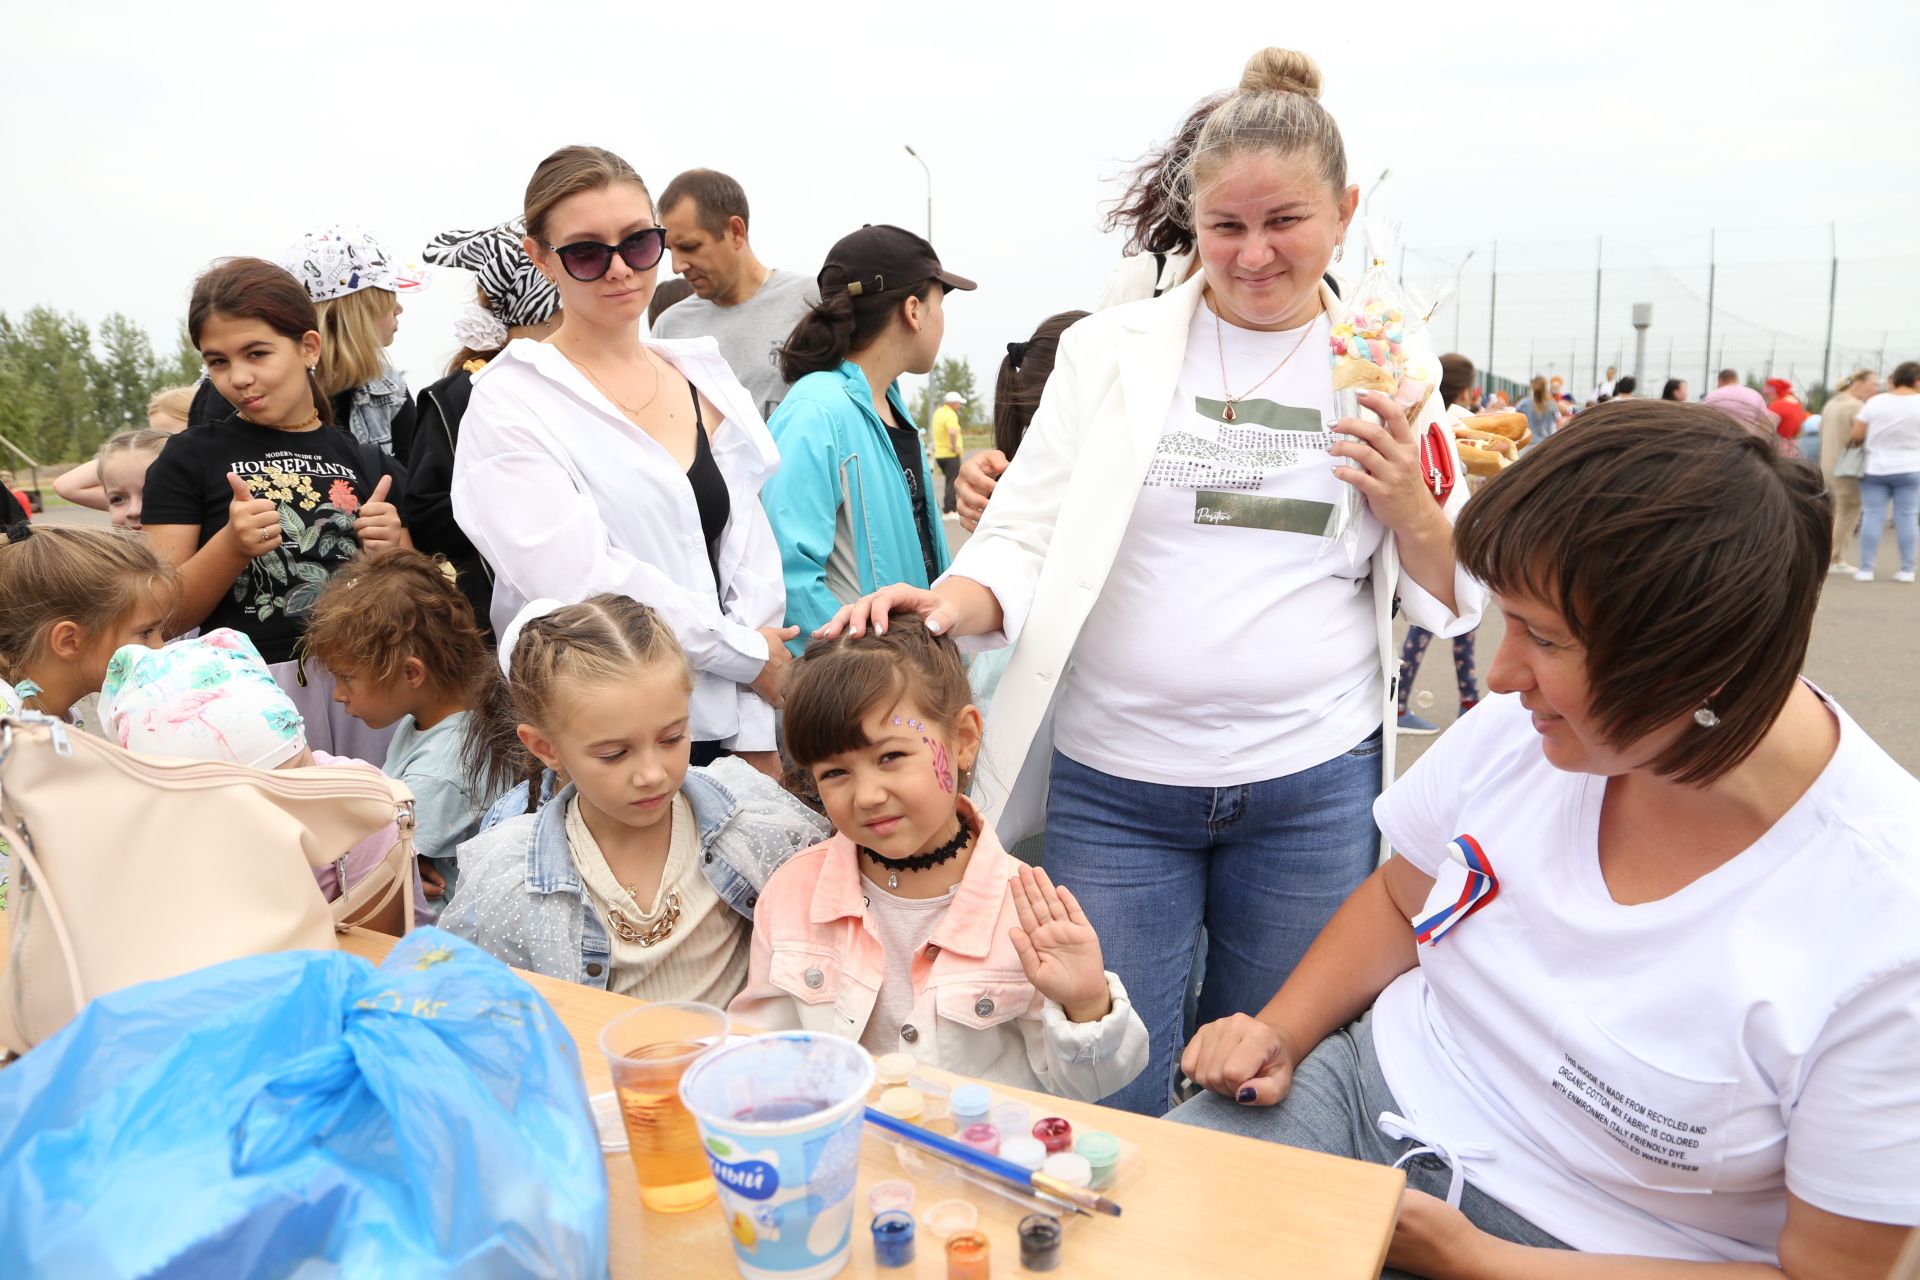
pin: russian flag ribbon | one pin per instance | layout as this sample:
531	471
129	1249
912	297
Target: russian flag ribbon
1476	891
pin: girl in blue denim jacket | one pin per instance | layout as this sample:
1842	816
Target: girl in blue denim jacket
641	874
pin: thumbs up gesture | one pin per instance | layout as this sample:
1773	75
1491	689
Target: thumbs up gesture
253	524
378	524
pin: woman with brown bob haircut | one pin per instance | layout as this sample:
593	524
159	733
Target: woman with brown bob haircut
1642	978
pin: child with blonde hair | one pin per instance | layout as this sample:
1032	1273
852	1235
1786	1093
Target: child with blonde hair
85	486
912	929
69	597
404	649
642	873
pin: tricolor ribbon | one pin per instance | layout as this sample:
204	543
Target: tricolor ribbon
1479	889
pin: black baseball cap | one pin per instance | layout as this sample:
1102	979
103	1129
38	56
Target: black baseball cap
875	259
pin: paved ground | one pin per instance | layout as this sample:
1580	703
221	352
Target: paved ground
1864	653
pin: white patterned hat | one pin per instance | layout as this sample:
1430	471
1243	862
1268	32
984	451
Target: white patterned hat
337	260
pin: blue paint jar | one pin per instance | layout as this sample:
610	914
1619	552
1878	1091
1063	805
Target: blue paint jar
893	1239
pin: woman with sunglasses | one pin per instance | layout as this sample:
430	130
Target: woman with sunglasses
599	460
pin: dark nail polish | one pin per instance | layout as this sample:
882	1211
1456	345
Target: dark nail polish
1246	1093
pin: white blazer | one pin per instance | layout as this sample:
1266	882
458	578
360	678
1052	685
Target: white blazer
566	498
1050	535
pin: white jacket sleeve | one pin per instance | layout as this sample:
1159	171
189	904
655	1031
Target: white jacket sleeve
518	504
1006	553
1087	1060
755	597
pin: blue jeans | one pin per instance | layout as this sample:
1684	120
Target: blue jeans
1261	867
1903	491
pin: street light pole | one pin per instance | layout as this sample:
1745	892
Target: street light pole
1457	269
929	173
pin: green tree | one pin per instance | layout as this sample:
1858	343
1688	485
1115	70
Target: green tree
184	368
65	387
949	375
124	374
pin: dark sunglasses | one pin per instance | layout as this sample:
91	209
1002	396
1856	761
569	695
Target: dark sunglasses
589	259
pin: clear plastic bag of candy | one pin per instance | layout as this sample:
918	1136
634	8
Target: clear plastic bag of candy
1378	343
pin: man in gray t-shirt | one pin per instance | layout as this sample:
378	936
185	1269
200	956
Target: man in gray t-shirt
748	308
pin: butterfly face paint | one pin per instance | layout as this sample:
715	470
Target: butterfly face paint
942	771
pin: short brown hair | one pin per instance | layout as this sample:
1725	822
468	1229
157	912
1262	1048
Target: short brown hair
716	198
385	607
841	681
1905	374
1687	556
1456	377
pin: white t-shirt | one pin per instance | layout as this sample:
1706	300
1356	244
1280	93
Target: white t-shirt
1232	641
904	925
1893	434
1757	1032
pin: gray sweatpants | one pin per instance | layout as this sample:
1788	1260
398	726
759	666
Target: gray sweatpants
1338	1093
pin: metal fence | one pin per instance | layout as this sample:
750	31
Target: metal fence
1807	304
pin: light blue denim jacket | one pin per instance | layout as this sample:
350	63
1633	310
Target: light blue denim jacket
834	449
519	897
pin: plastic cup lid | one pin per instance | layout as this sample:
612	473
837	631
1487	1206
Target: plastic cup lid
949	1217
970	1099
901	1102
1070	1167
1028	1153
893	1068
893	1194
1098	1148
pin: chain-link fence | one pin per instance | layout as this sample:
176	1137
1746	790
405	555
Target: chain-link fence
1807	304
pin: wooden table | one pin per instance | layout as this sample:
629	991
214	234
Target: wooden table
1198	1204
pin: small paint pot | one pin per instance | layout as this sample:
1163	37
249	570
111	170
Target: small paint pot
969	1257
902	1103
892	1069
969	1104
893	1239
1070	1168
1009	1117
1040	1236
1024	1151
1055	1134
950	1218
1102	1151
895	1194
982	1137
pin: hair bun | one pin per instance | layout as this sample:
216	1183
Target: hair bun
1276	70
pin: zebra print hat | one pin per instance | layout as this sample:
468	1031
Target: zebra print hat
516	291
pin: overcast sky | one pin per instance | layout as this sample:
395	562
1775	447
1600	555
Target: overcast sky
141	141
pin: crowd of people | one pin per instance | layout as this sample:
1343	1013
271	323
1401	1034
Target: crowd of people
656	614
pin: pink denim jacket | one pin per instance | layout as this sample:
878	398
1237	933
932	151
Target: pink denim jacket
817	963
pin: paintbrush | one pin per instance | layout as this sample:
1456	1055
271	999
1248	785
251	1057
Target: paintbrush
1004	1170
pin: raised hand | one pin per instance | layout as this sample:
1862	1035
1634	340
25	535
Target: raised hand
253	524
1058	948
378	524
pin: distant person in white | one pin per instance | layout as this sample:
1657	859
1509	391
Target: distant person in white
746	306
1604	388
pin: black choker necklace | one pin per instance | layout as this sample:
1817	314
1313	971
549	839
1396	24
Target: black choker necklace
921	861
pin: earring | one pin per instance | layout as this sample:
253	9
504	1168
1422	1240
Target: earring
1339	252
1706	718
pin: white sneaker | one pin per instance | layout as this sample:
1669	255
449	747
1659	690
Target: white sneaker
1841	566
1905	575
1863	575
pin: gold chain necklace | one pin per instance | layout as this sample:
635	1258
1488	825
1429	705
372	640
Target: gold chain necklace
312	419
657	931
1227	414
607	391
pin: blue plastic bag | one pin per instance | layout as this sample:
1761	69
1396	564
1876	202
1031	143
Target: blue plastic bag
305	1113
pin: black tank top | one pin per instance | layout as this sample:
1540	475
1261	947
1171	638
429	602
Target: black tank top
709	489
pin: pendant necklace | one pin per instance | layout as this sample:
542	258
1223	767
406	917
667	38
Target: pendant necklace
921	861
606	391
1227	414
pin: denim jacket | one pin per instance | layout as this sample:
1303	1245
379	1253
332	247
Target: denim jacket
376	405
834	450
519	897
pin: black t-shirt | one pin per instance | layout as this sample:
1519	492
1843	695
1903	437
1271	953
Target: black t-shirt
319	478
913	465
10	510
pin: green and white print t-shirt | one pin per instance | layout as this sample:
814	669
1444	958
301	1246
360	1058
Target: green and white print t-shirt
1232	642
319	478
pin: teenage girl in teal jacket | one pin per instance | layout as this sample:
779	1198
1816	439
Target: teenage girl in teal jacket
851	506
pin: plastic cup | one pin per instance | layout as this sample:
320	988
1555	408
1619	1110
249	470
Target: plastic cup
648	1050
780	1116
